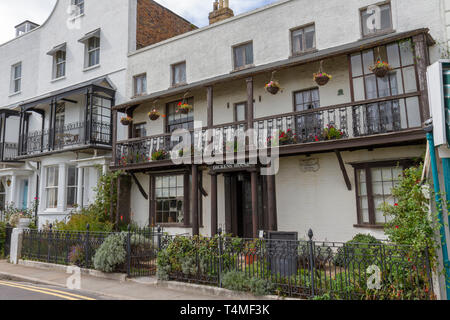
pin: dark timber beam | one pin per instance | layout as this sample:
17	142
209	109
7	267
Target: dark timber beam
139	185
209	98
195	225
344	170
214	212
420	48
271	203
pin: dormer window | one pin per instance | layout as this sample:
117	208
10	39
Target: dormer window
25	27
59	61
92	49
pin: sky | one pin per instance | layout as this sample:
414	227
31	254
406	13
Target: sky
14	12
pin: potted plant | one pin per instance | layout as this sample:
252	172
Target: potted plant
154	115
273	87
331	133
322	78
126	121
184	108
251	252
380	69
159	155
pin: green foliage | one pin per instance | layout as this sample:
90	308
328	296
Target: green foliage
240	281
98	214
164	267
111	254
2	238
77	256
13	214
363	249
410	223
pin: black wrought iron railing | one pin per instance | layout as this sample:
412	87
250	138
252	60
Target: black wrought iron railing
8	151
334	123
67	136
79	248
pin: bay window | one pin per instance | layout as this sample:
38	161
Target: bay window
51	187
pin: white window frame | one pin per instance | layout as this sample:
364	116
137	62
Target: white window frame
88	53
175	83
59	64
75	187
48	187
80	7
16	82
143	85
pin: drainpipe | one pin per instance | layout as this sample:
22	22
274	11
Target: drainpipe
438	200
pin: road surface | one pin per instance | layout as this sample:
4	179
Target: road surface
13	290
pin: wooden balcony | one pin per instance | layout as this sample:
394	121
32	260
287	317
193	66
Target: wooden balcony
377	122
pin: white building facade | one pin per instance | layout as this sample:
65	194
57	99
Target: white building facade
60	81
331	184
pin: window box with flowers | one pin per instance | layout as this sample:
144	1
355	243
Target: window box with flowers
332	133
160	155
126	121
284	138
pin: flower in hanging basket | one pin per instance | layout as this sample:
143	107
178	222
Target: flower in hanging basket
126	121
154	115
159	155
381	68
322	78
273	87
332	133
184	108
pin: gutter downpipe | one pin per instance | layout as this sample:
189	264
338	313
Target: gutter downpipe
438	199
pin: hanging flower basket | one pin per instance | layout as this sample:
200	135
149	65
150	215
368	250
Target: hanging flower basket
184	108
273	86
380	69
154	115
322	78
126	121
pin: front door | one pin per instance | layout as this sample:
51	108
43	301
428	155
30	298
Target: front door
238	206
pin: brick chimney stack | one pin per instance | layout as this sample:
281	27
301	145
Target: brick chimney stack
221	11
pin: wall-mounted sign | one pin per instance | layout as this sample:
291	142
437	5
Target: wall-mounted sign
232	167
310	165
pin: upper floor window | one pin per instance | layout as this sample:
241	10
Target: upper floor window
243	56
59	64
179	74
79	6
139	130
140	84
376	19
93	52
303	39
306	99
16	78
240	111
177	120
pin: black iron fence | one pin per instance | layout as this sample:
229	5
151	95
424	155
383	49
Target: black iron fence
79	248
5	241
303	269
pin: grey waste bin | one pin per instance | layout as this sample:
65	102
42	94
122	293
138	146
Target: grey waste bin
282	251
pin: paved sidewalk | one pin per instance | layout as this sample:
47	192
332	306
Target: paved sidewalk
142	289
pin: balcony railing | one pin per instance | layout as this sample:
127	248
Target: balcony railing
8	151
342	122
66	137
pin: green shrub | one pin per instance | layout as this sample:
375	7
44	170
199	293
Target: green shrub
2	238
79	221
260	287
363	248
235	280
164	267
77	256
112	253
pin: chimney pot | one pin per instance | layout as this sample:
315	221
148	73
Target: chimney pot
221	11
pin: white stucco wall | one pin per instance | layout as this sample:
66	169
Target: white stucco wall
208	51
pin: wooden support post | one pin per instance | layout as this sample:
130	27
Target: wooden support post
214	213
271	203
114	138
422	62
209	98
255	222
344	170
195	224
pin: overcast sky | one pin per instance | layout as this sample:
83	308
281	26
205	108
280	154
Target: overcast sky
13	12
